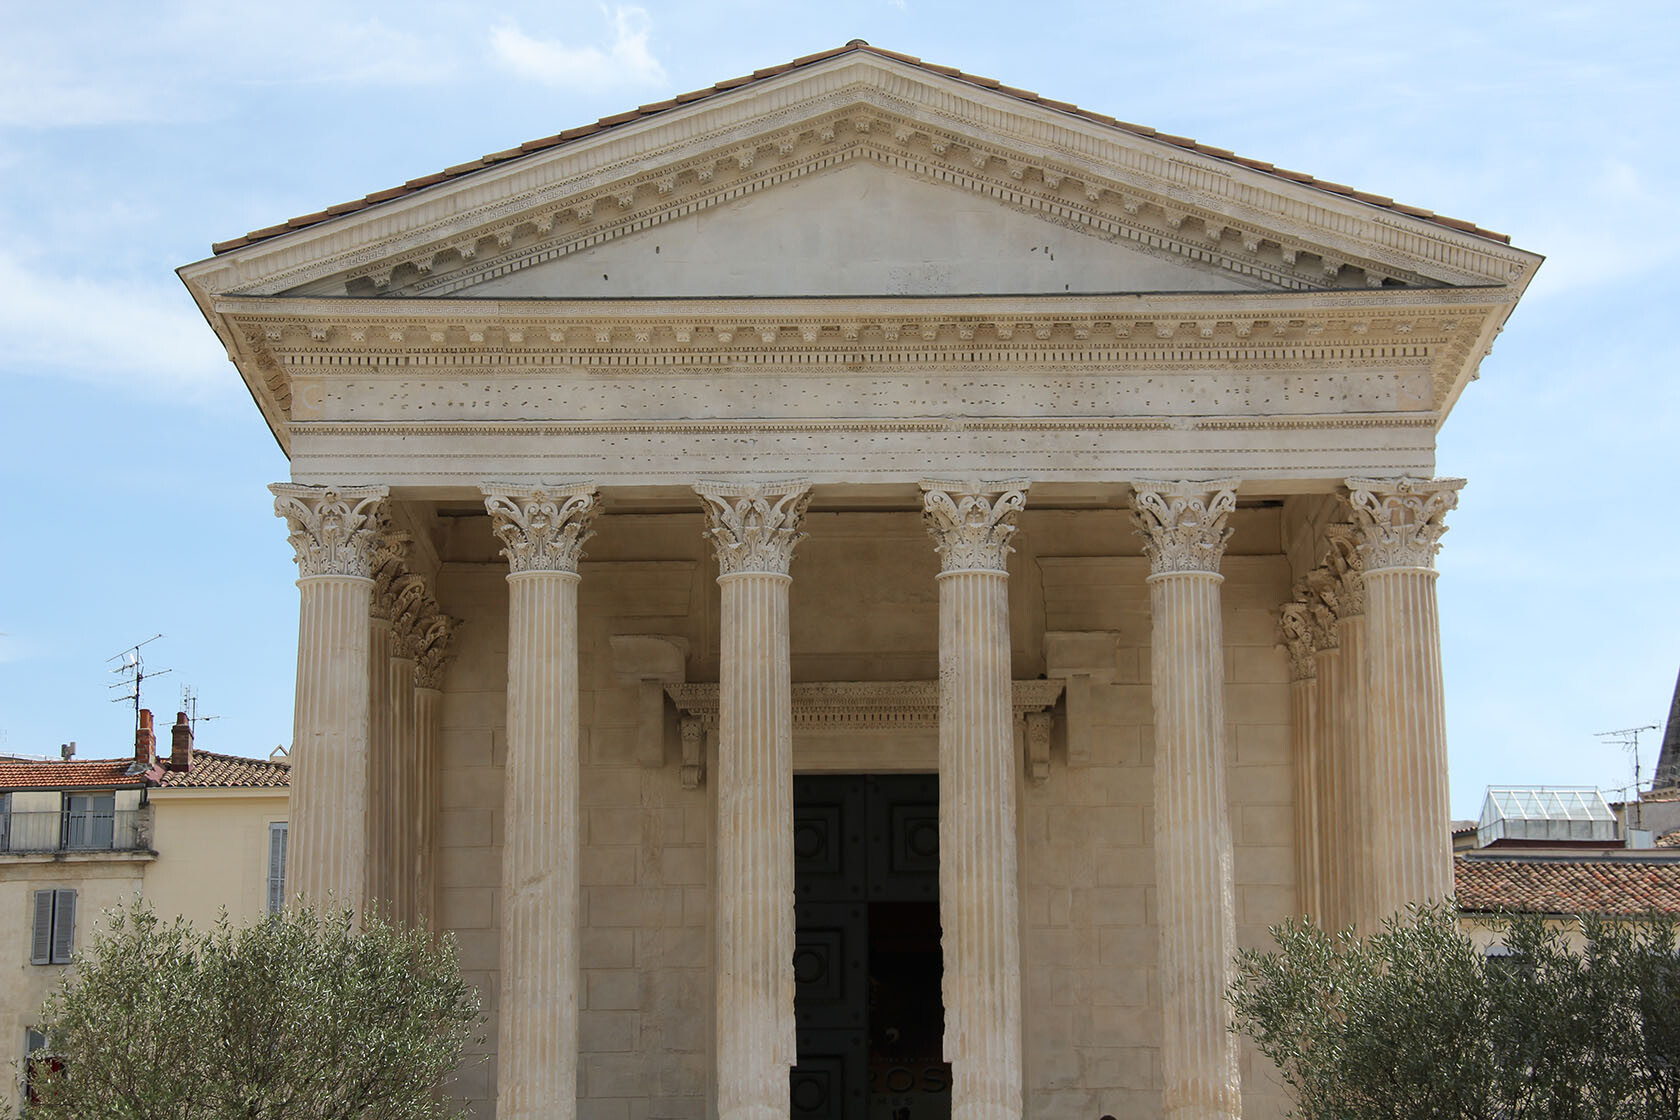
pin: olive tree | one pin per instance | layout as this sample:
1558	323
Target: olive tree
298	1015
1415	1022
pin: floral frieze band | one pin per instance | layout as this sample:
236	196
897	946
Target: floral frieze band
971	522
542	529
754	526
334	530
1401	520
1184	524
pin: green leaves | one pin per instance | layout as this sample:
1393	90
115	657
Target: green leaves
1580	1021
298	1016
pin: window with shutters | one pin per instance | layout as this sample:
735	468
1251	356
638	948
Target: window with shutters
37	1065
53	937
276	867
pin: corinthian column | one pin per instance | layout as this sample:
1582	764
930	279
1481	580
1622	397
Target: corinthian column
432	654
1342	588
400	785
754	528
333	532
1400	523
979	905
1295	632
1184	529
543	531
390	551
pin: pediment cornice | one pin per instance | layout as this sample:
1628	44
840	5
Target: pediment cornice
1065	169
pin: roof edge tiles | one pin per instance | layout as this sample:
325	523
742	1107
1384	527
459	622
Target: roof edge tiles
414	186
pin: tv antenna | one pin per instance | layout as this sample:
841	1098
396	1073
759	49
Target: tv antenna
189	705
132	668
1628	739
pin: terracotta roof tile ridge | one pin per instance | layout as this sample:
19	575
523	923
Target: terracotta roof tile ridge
655	108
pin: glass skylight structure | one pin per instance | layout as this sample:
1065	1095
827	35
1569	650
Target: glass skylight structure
1546	813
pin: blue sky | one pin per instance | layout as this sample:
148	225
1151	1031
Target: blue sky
132	136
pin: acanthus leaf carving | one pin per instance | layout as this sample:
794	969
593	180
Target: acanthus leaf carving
435	632
754	526
542	529
1400	520
333	531
1295	634
971	522
1184	525
1347	565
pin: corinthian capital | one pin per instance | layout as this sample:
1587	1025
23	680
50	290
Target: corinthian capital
433	636
971	522
1346	565
1184	524
1401	520
754	525
390	563
1295	634
543	528
333	530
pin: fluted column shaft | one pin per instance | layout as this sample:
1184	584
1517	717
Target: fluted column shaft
400	781
1329	796
754	528
332	532
1401	522
1351	744
428	710
1184	530
381	761
543	531
979	889
1306	748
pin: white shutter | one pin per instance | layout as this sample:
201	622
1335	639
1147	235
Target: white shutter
40	940
64	926
276	867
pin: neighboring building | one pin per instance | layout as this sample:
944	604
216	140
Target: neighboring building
928	321
191	831
1626	885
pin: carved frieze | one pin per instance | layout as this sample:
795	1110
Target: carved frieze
1400	520
334	531
542	529
1184	525
971	522
754	526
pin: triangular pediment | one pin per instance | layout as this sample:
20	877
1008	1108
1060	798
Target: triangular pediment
859	229
876	177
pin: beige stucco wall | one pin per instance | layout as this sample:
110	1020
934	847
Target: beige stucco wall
212	847
101	881
864	605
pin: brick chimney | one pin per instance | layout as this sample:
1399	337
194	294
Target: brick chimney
180	743
145	743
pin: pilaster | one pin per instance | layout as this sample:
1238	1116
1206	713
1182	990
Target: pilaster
1184	529
979	890
754	528
542	531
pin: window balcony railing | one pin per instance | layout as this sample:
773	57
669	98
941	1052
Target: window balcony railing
98	831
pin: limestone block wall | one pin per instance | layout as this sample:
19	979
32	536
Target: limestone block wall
864	606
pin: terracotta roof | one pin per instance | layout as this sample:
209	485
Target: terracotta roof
103	773
561	138
1626	887
209	771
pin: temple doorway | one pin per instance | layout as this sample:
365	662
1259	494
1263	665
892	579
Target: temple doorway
867	959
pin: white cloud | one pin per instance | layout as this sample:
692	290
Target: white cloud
136	337
627	61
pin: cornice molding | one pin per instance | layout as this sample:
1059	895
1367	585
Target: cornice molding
862	99
862	705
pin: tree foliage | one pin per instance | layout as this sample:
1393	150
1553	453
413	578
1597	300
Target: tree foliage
298	1016
1415	1023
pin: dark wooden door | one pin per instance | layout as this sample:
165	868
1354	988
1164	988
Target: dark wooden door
866	960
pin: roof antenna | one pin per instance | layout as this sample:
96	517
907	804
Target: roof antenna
189	704
132	668
1628	739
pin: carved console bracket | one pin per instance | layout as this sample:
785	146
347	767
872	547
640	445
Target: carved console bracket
861	706
650	662
1084	660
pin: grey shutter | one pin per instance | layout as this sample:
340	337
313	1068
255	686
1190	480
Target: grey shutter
40	941
64	926
277	866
